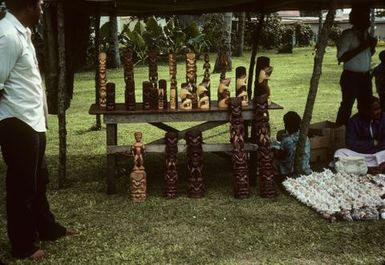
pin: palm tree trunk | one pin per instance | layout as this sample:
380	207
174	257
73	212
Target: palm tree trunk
115	62
317	69
98	122
240	35
225	48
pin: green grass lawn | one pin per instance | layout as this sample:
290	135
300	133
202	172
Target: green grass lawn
217	229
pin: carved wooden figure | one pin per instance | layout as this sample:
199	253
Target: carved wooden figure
241	85
153	67
162	94
129	93
261	136
171	174
173	82
206	74
223	62
186	96
102	80
203	96
138	176
262	73
195	184
146	95
110	87
154	97
223	93
241	185
191	68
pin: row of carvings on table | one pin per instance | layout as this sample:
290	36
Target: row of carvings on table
192	95
195	177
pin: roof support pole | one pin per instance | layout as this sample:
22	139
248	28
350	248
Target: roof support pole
317	70
61	95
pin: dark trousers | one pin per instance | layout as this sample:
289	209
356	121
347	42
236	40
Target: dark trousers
28	213
353	86
381	95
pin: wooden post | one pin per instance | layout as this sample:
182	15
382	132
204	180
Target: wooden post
62	95
317	69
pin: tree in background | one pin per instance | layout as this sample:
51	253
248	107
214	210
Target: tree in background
114	42
224	43
239	34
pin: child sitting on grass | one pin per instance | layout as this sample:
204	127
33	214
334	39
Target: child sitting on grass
285	153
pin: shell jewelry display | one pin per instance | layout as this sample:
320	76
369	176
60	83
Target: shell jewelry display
341	196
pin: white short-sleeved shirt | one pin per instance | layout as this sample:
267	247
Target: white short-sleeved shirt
20	79
349	41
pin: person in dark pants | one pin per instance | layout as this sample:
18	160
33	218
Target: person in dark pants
22	134
355	49
379	76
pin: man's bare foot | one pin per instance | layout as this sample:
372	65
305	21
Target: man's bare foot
70	232
38	255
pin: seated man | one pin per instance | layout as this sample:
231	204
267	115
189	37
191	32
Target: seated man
285	154
365	135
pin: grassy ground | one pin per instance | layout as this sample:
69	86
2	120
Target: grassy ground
215	230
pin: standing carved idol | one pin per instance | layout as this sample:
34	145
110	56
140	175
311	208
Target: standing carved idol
171	174
102	80
138	177
261	137
173	83
206	74
146	95
186	96
262	73
195	184
162	94
110	87
153	67
241	185
191	78
129	93
223	93
203	96
241	85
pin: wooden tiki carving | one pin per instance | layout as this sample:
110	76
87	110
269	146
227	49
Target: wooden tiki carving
223	62
173	83
186	96
153	67
110	87
241	186
102	80
206	74
191	68
262	75
171	174
154	97
146	95
203	96
223	93
261	136
129	93
194	164
162	94
138	176
241	85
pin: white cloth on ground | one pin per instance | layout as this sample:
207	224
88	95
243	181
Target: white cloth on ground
372	160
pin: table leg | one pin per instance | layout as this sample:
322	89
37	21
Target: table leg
112	132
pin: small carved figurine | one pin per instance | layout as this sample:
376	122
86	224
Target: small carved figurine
223	93
110	87
203	96
185	96
146	95
102	80
241	85
138	176
162	96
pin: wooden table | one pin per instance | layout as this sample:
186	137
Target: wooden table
210	118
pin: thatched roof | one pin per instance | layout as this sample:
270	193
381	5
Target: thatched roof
142	7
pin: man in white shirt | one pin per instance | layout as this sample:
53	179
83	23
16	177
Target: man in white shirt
355	49
22	133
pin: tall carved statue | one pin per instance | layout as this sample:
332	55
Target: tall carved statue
261	133
162	94
262	72
129	93
195	184
191	78
138	176
102	80
241	85
223	93
171	174
146	95
173	83
206	74
241	185
110	87
153	67
223	62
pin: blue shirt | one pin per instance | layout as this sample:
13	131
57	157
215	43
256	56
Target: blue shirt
289	144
